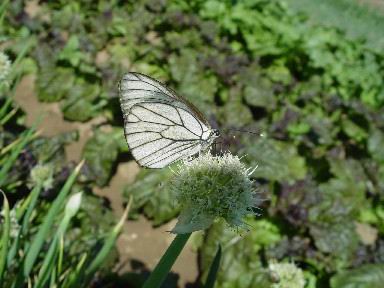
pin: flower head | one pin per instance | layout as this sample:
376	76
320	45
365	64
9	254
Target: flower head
286	275
212	186
42	175
5	69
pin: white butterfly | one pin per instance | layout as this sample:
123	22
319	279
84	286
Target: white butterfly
160	126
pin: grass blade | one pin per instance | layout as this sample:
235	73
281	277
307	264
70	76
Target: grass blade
3	8
48	265
4	108
20	209
15	153
43	231
53	278
32	200
26	219
4	237
61	256
108	244
211	278
7	117
75	278
10	146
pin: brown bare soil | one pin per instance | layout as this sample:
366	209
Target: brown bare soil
374	4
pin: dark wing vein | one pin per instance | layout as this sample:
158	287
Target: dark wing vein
158	114
171	93
175	124
150	154
174	152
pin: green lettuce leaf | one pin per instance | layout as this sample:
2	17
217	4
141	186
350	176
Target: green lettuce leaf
152	195
100	153
54	84
79	105
240	253
366	276
276	160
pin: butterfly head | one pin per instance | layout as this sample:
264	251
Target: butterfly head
215	133
209	138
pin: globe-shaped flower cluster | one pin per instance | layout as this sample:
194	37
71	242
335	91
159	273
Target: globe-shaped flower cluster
208	187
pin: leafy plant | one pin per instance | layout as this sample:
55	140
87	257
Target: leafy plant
28	232
100	153
365	276
315	94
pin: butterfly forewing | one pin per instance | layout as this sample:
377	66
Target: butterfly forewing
133	85
160	126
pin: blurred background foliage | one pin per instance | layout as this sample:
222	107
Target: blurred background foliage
314	91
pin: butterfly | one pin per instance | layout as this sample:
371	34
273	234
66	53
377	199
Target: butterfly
160	126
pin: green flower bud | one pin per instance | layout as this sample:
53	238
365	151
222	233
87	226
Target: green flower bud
73	205
42	175
5	69
286	275
208	187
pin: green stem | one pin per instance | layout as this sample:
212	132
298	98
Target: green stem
212	275
165	264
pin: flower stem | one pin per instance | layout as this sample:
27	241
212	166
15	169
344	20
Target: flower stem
165	264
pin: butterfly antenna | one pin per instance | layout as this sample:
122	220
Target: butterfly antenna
247	131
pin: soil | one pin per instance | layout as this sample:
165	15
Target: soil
375	4
139	242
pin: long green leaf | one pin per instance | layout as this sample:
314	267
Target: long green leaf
3	9
7	117
50	257
4	108
108	244
74	279
53	278
15	153
24	204
44	229
27	217
13	144
48	265
82	276
4	237
61	256
32	200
